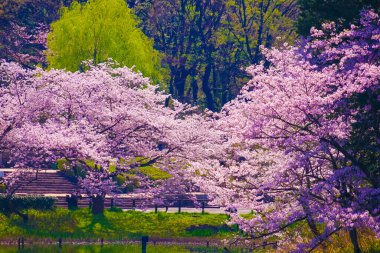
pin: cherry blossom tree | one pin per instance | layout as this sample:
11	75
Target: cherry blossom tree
106	115
304	139
98	184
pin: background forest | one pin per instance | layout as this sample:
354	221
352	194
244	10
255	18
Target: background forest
201	48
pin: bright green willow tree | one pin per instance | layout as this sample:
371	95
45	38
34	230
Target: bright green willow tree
99	30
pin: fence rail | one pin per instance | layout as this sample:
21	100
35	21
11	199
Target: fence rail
130	202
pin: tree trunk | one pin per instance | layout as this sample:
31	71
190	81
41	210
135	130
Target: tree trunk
194	86
72	202
354	240
206	88
171	83
180	83
311	223
97	205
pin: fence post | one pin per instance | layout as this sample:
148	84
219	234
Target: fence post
144	241
133	204
68	201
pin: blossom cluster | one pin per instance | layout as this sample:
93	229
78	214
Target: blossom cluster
106	115
304	137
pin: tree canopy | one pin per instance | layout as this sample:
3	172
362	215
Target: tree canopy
24	25
343	12
99	30
304	139
206	43
106	115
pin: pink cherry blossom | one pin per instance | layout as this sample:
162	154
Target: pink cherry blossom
302	138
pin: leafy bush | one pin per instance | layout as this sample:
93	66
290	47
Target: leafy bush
116	209
127	182
26	202
70	172
210	230
3	188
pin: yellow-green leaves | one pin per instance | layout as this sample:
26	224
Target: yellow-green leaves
99	30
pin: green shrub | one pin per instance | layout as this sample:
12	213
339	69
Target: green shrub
3	188
120	179
71	172
127	182
26	202
116	209
62	164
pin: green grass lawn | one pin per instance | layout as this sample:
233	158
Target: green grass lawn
117	225
113	225
124	248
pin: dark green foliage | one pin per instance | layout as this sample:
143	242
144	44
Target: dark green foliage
3	188
342	12
70	172
209	230
116	209
207	44
25	202
364	137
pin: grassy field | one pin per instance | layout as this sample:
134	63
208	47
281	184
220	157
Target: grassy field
129	248
113	225
82	225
